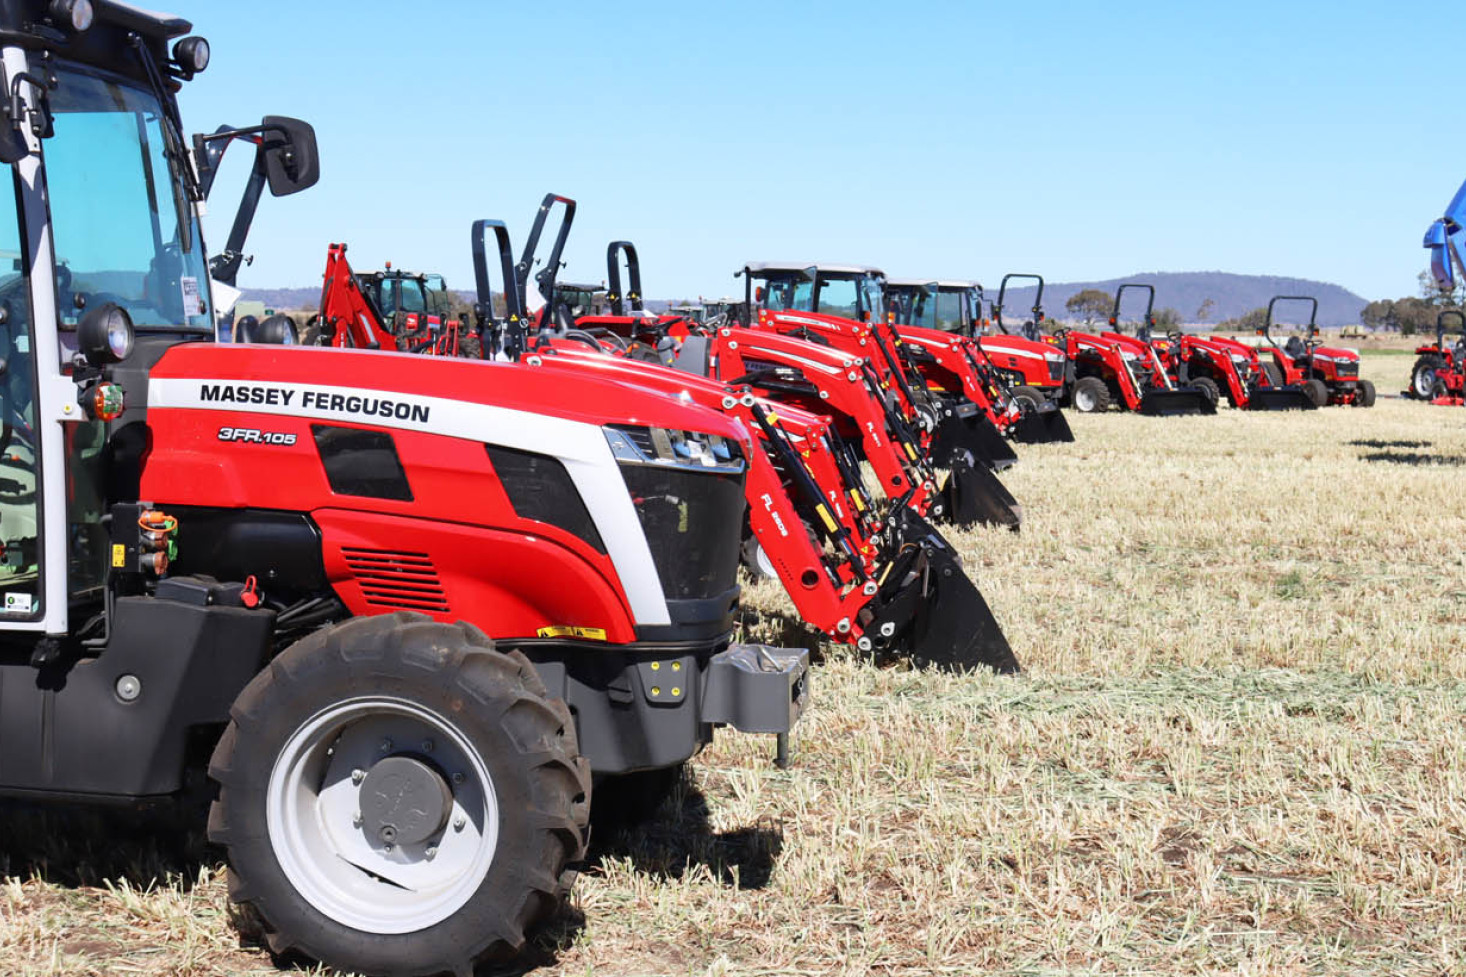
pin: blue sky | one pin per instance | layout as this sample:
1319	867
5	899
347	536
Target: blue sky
1082	141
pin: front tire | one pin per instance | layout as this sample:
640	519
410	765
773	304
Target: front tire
1317	391
1209	387
1365	396
398	797
1091	395
1034	398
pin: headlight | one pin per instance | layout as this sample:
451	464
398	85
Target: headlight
1238	358
668	446
1129	355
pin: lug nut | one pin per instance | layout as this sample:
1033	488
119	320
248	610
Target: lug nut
888	629
431	852
356	819
458	778
427	746
357	776
386	746
459	823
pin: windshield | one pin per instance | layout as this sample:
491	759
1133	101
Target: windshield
788	294
838	297
115	209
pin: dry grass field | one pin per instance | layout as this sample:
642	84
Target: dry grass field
1239	747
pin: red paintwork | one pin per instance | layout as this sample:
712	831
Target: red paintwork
1202	357
1003	351
508	575
1342	390
1103	358
351	322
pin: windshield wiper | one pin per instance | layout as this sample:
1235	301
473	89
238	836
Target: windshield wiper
189	192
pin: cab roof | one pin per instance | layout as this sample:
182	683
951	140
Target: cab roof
760	268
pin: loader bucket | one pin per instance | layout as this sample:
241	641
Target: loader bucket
972	495
1182	400
938	616
975	435
1291	397
1045	425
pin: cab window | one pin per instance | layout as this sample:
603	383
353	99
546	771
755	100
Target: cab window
20	472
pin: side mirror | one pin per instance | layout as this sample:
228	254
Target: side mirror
291	160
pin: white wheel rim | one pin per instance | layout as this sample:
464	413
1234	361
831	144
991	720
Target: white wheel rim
1085	400
1424	382
764	564
312	808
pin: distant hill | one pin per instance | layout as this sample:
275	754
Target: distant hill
1185	291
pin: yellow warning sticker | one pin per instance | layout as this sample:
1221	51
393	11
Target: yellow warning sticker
119	555
573	631
825	515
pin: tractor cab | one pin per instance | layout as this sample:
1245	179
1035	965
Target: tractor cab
848	291
394	291
949	306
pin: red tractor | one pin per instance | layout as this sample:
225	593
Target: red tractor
404	610
1439	369
1102	372
1026	376
1328	374
392	309
1219	368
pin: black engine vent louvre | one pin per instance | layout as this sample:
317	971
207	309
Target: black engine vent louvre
389	578
540	488
362	463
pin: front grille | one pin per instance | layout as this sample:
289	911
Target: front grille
1347	368
693	522
1056	370
388	578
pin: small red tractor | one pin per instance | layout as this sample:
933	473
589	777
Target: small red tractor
1218	368
931	316
402	611
1033	368
1440	367
1328	374
391	309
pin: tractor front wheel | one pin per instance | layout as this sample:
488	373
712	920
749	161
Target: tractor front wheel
1422	376
1317	391
1209	387
1274	375
1091	396
1030	395
399	797
1365	395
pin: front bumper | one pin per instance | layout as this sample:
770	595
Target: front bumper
646	706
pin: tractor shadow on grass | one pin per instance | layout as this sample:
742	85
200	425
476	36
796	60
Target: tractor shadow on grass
1413	458
80	848
1378	443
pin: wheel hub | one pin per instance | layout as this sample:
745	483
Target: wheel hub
404	801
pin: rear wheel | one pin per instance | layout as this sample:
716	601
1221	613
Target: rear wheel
1030	395
1365	396
1317	391
399	797
1090	395
1209	387
756	559
1422	376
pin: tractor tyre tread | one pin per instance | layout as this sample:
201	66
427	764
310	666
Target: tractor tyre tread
1031	394
1097	392
1365	395
496	699
1425	368
1317	391
1209	387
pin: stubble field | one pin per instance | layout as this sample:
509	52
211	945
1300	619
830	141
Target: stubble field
1239	747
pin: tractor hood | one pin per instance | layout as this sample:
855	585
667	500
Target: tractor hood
424	393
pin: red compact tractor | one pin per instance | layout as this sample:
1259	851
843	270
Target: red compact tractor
1439	370
1218	368
939	320
403	609
1328	374
392	309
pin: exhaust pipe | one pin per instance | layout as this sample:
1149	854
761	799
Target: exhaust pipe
932	610
1172	403
972	495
